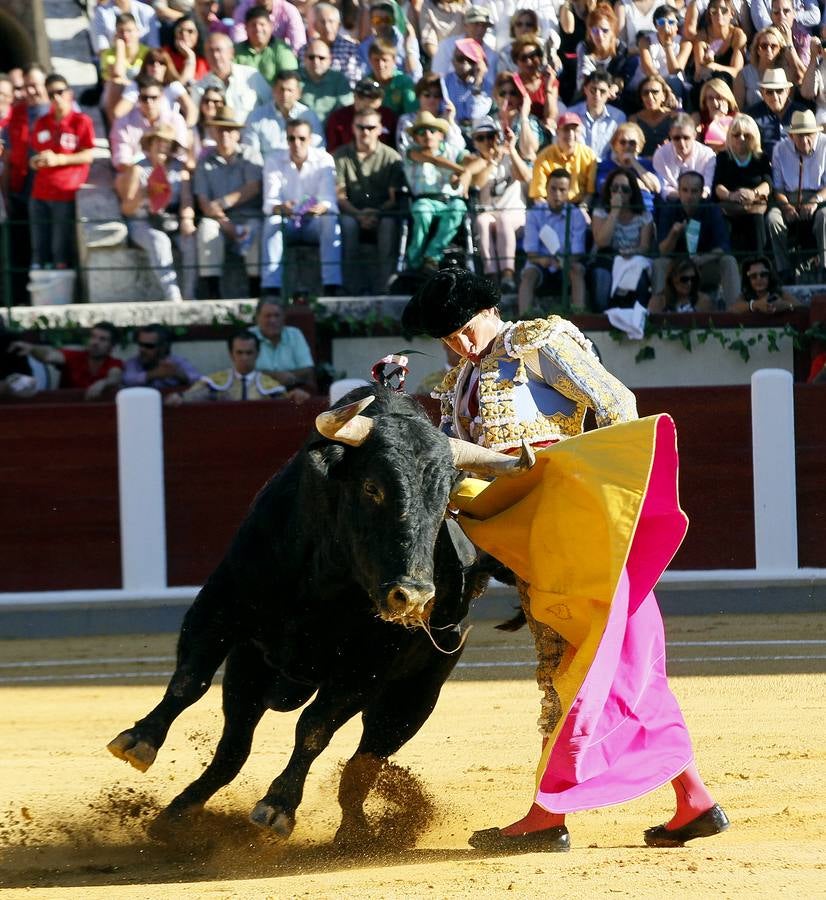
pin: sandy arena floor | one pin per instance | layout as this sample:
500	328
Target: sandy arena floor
73	818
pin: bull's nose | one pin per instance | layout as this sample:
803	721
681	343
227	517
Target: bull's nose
405	597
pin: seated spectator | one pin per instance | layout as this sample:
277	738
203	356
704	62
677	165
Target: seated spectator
21	377
284	352
243	86
603	50
103	26
468	84
438	183
512	107
158	206
476	22
300	205
814	81
93	370
523	23
399	94
62	144
774	112
622	227
326	22
799	173
367	94
665	53
227	188
287	24
156	64
502	185
125	136
324	89
717	108
805	12
796	36
122	62
239	382
682	292
369	177
625	145
155	365
659	106
202	141
762	289
541	83
438	20
266	128
186	52
683	153
429	94
766	53
743	185
261	50
691	227
696	15
720	47
599	118
554	233
384	20
570	153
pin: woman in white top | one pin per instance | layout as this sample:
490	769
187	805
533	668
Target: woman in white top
665	52
501	185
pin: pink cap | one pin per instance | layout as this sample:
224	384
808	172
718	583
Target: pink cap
568	118
471	49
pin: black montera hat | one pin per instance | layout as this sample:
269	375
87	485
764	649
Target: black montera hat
447	301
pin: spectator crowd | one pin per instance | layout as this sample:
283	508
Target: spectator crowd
624	153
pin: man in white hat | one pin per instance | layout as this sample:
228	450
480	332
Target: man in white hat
774	112
799	171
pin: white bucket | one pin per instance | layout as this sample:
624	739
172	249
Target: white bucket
51	287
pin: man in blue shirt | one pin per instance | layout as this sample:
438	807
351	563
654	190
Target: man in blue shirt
599	119
284	353
552	233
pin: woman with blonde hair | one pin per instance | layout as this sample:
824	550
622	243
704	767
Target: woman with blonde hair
717	109
766	52
743	184
658	108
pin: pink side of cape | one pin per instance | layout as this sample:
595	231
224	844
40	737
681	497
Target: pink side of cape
624	734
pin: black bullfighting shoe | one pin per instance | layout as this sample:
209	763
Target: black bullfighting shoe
712	821
549	840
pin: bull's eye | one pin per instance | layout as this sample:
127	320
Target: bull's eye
373	491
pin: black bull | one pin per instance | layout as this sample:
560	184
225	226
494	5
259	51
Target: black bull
340	554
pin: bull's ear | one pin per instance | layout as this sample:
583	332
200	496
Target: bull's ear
345	425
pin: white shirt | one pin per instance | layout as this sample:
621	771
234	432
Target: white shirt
786	167
245	89
669	166
283	180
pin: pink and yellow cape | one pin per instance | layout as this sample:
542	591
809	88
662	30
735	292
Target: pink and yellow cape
591	528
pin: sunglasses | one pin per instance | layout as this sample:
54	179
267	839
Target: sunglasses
527	57
662	22
433	95
484	138
147	345
651	92
620	189
719	11
367	127
316	56
686	279
627	142
760	273
145	98
427	129
773	90
680	137
57	92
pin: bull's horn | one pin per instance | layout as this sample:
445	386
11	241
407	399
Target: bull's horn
481	461
345	425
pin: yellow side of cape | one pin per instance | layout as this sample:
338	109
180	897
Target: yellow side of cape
566	528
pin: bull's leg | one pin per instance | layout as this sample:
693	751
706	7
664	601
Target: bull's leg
332	707
245	681
207	634
389	723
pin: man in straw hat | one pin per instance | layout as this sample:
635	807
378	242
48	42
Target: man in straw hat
799	172
227	187
774	112
438	176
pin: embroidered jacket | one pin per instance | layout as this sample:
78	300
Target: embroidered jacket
536	384
228	385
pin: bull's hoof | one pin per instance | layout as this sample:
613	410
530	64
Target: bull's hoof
128	747
267	816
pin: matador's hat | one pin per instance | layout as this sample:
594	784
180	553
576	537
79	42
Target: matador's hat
447	301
